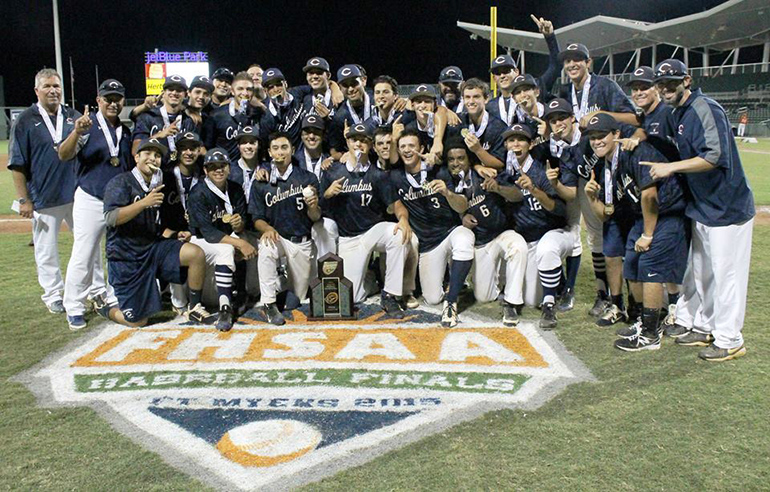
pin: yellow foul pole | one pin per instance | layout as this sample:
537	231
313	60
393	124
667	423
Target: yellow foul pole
493	46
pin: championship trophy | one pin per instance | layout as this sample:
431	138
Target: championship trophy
331	294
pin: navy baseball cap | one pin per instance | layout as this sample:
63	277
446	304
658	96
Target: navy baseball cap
423	90
188	139
502	61
574	50
451	74
642	74
271	75
316	63
557	105
358	130
671	69
111	86
523	80
223	74
247	131
601	122
203	82
216	155
348	72
517	129
152	143
313	121
175	81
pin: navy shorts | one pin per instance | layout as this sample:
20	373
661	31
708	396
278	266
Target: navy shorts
615	235
135	281
666	259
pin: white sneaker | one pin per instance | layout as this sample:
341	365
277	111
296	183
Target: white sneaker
198	314
449	316
670	319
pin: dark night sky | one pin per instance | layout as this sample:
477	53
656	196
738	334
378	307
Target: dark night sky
408	40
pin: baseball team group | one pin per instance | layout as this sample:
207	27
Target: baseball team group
229	188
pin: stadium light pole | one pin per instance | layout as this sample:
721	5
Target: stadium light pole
57	44
492	46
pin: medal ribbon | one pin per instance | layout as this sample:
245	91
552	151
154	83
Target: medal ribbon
112	146
506	114
582	110
367	110
56	133
167	123
608	173
180	186
224	196
482	127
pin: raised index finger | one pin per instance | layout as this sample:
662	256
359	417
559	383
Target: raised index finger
86	111
535	19
398	120
158	188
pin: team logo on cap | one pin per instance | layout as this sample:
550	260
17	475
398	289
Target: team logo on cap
311	119
315	61
270	73
114	85
451	71
154	140
593	120
204	78
553	104
248	129
519	78
664	67
518	127
189	135
573	46
359	128
422	88
345	71
500	59
639	71
175	78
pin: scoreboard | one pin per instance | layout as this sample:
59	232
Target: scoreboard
160	64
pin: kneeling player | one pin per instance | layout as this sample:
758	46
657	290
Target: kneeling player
427	193
495	243
284	209
218	215
357	195
541	218
137	252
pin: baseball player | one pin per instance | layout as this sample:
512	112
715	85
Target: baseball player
138	253
484	131
357	108
102	145
199	99
529	110
285	106
385	97
357	195
427	118
44	184
540	217
428	194
383	140
326	95
256	71
218	215
222	125
496	245
656	249
223	80
449	81
720	205
283	210
164	122
505	72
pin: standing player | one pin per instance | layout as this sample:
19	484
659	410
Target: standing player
283	210
484	135
285	106
326	95
495	243
222	78
44	184
428	194
138	253
357	196
357	108
541	219
449	81
218	215
103	147
427	118
385	97
199	99
721	207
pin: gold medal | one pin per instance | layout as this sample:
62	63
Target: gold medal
464	132
186	218
609	209
226	218
172	156
114	161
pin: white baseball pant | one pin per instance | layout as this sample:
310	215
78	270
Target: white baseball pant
216	254
715	286
545	254
324	234
355	252
503	258
298	258
85	271
458	245
594	224
45	232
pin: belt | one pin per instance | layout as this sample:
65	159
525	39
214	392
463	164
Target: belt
298	239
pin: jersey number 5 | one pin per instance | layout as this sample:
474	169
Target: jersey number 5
300	203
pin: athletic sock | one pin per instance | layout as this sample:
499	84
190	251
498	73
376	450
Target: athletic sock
573	265
600	272
458	273
618	301
240	281
224	280
195	297
650	320
549	279
673	298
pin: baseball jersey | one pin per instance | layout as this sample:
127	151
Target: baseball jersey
152	121
489	209
176	197
352	115
490	134
376	121
50	182
660	126
430	215
94	169
552	157
243	177
307	163
582	159
363	201
222	125
282	205
132	240
206	209
604	94
721	196
633	178
532	221
288	117
308	102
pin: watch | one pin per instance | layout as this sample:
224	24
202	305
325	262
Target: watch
22	201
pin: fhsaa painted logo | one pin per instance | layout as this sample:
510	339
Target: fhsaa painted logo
277	407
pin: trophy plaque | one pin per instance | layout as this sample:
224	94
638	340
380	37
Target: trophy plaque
331	294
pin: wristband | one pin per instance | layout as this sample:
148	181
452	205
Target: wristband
645	236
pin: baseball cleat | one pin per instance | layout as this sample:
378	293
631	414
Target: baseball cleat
179	311
630	331
567	301
676	331
712	353
510	316
612	315
409	302
449	315
56	307
390	306
548	317
76	322
695	339
225	320
273	314
600	304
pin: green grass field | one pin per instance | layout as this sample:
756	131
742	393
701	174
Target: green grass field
653	421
